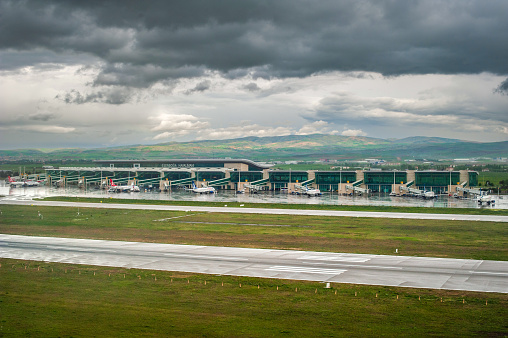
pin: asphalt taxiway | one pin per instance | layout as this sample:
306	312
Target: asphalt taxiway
403	271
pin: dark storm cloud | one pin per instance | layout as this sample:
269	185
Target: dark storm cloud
118	95
502	88
200	87
141	43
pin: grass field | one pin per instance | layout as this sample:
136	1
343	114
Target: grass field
454	239
465	211
493	177
51	299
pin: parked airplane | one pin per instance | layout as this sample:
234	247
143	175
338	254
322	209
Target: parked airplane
203	190
429	194
122	188
312	192
305	190
15	184
486	199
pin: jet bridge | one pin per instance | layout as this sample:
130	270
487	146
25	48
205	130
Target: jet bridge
355	186
165	185
417	192
462	188
309	181
219	182
256	185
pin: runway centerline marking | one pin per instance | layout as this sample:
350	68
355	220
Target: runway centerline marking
207	257
335	258
305	270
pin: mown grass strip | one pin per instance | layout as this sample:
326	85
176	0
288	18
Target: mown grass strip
465	211
52	299
452	239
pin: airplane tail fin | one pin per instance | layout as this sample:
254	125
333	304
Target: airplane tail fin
112	184
193	185
10	179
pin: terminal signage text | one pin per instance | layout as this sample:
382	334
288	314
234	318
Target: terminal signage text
179	165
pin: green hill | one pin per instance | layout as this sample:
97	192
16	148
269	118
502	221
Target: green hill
297	147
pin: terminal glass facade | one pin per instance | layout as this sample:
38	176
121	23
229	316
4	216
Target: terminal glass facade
385	177
473	179
383	181
246	176
280	179
436	178
176	175
288	176
331	180
436	181
209	175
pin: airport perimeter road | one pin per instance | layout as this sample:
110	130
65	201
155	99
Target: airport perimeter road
416	272
455	217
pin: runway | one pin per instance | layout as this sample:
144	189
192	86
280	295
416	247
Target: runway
246	210
403	271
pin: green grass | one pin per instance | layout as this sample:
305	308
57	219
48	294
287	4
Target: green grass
454	239
51	299
492	177
464	211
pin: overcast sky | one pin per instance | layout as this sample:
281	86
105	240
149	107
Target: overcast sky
106	73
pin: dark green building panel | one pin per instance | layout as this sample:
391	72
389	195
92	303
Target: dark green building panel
384	177
209	175
436	178
246	176
334	177
176	175
288	176
473	179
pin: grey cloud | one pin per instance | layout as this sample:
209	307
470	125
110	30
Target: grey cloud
381	111
200	87
251	87
42	117
113	96
142	76
502	88
142	44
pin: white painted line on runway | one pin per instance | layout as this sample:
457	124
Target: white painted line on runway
488	273
305	270
336	259
207	257
362	266
59	247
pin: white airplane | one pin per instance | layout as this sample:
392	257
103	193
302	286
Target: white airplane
202	190
32	183
122	188
305	190
429	194
312	192
486	199
15	184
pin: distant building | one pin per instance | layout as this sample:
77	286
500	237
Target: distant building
242	174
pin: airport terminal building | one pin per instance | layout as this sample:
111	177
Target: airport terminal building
249	176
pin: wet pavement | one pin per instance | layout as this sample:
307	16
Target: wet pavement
381	199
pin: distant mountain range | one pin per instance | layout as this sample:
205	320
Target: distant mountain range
293	147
